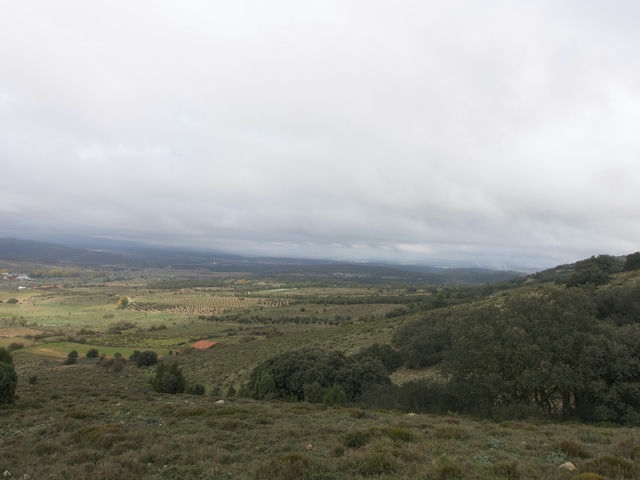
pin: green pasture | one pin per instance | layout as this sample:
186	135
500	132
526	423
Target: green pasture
59	312
248	332
61	349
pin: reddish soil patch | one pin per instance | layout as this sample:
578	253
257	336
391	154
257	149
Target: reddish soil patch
203	344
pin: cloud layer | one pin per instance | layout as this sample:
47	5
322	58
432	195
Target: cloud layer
496	132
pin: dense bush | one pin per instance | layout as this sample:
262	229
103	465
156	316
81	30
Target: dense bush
93	353
358	376
266	386
8	378
632	262
544	353
311	374
425	342
5	356
314	392
123	302
289	373
620	305
72	358
144	359
391	359
592	271
168	378
335	396
542	350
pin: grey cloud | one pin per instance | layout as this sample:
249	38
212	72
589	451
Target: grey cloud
417	131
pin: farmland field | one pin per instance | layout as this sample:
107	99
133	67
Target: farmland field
233	312
200	303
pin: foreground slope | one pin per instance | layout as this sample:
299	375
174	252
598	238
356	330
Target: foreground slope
81	421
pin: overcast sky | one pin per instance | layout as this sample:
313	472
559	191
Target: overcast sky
496	132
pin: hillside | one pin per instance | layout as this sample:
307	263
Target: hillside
17	250
80	422
361	377
561	348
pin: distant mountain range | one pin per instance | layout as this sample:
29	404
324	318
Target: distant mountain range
36	252
14	249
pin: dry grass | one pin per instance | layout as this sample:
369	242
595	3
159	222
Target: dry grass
81	421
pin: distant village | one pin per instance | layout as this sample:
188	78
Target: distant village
23	277
15	276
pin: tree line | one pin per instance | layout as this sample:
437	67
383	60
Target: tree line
553	351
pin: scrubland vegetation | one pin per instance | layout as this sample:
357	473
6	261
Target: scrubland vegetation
316	378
